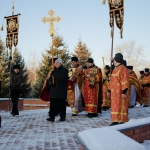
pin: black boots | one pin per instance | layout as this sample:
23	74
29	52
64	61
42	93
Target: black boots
74	115
105	108
62	119
91	115
113	123
145	105
12	114
50	119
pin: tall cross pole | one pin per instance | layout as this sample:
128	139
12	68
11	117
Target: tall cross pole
11	61
13	8
51	19
116	13
112	42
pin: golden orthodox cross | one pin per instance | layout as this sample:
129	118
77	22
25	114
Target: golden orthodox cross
51	19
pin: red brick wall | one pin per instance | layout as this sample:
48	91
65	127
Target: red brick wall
139	133
29	104
4	105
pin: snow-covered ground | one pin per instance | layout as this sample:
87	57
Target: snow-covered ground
146	144
31	131
110	139
92	140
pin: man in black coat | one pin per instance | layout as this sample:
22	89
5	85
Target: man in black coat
58	92
15	86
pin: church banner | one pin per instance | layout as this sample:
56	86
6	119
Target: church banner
116	11
12	25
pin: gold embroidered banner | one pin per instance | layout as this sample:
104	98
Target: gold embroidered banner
116	11
9	41
12	25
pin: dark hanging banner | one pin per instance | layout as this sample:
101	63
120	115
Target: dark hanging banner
116	11
12	25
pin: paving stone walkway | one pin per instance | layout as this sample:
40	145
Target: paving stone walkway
31	131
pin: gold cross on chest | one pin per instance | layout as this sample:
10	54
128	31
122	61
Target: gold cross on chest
51	19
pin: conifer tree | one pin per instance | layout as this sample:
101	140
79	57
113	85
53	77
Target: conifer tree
60	51
32	65
4	74
26	85
82	52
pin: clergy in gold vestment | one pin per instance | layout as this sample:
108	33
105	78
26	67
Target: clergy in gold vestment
82	79
92	89
106	79
74	95
119	85
134	87
145	82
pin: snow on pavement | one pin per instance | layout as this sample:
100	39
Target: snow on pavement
31	131
110	140
146	144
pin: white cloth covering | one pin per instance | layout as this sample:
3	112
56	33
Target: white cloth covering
77	100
